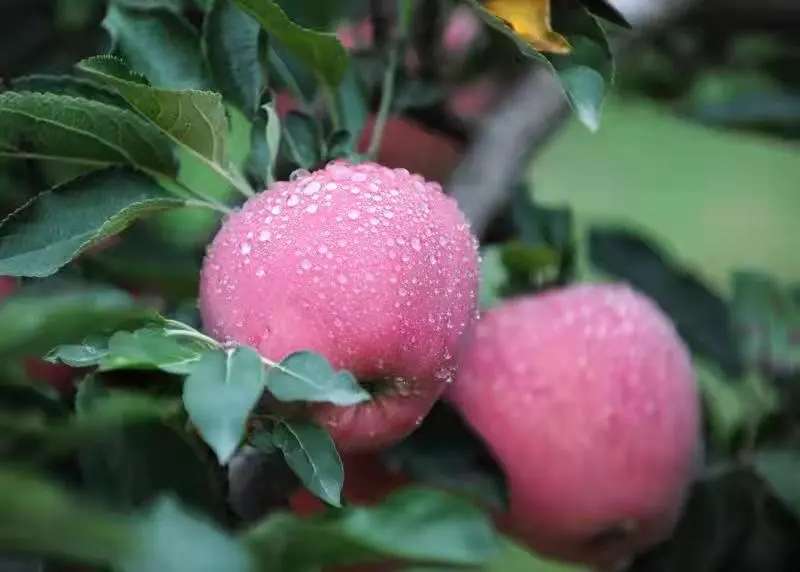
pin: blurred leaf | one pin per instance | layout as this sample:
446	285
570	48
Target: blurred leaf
45	315
316	14
37	517
584	65
170	539
413	524
781	469
701	316
159	44
352	103
529	267
494	277
320	51
139	459
311	453
726	409
231	41
80	131
147	348
66	85
768	322
306	376
530	20
221	390
57	226
301	139
172	5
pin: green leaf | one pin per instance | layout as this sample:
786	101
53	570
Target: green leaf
352	103
221	390
780	468
302	140
152	348
413	525
56	226
515	558
170	539
320	51
147	348
768	320
194	119
306	376
586	73
172	5
231	42
159	44
66	85
42	316
80	131
38	517
89	353
311	453
31	510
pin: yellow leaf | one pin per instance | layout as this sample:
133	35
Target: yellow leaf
530	19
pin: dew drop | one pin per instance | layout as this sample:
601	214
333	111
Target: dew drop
299	174
292	201
276	210
311	188
246	248
312	208
265	236
353	215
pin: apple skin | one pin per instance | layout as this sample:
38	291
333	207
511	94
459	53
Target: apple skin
587	398
374	268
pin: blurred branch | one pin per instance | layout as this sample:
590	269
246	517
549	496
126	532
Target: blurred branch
536	107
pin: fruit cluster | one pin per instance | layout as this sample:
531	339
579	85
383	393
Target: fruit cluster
376	269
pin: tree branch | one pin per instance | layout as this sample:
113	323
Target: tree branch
535	109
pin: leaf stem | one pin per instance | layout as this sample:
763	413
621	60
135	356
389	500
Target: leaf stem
198	199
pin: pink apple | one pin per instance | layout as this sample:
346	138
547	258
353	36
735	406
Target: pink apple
374	268
587	398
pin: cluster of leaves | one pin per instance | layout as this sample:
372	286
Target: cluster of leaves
181	117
